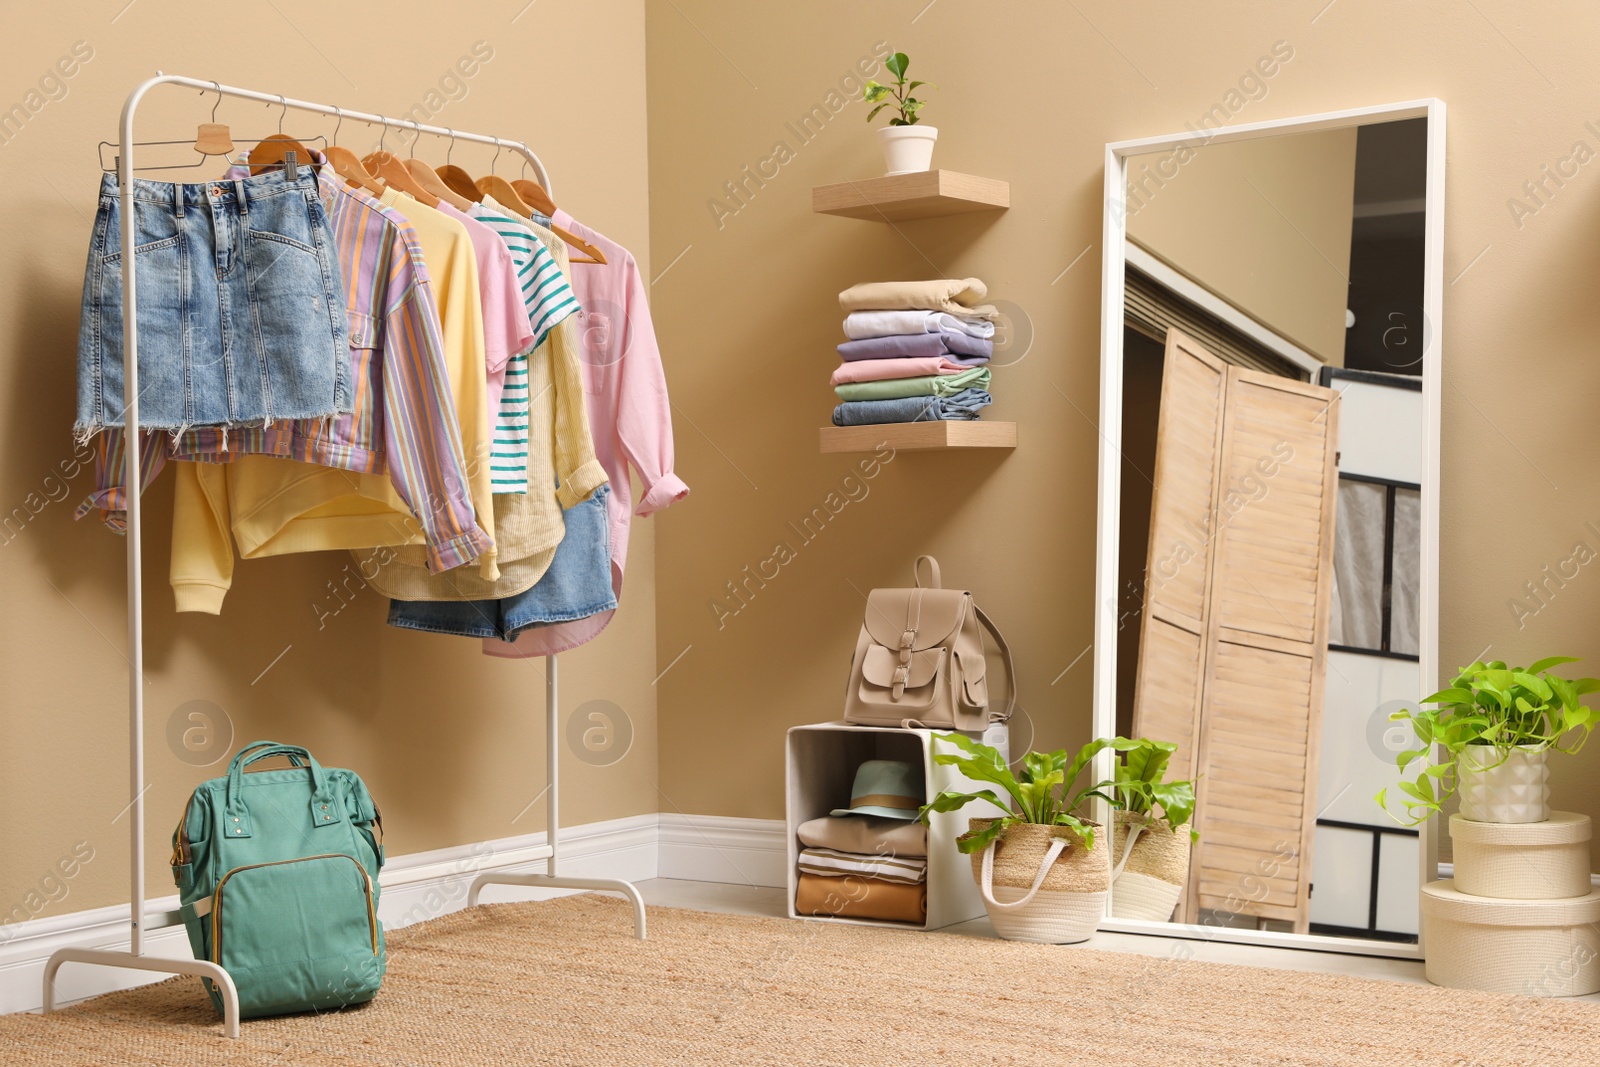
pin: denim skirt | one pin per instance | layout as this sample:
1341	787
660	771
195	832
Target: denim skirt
577	585
240	306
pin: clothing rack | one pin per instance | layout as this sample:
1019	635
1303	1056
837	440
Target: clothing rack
140	920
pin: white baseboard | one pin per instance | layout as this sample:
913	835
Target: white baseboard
416	887
717	848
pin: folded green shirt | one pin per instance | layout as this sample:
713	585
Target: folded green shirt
932	385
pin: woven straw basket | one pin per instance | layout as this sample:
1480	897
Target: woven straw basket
1039	883
1539	948
1522	861
1150	875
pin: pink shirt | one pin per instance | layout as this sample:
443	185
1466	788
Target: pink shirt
877	370
629	415
506	329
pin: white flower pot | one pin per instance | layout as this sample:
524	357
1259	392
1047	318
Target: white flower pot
908	149
1515	790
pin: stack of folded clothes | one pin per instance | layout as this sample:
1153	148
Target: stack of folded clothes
917	352
868	861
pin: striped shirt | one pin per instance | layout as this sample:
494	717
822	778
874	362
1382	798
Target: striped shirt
891	868
404	420
549	300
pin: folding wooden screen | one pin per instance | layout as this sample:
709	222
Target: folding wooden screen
1233	642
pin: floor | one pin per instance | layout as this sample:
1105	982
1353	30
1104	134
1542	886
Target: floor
765	900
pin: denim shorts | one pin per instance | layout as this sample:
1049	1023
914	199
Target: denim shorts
577	585
241	306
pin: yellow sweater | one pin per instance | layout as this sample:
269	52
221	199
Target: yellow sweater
271	506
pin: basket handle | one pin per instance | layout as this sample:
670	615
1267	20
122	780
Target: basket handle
986	883
1127	850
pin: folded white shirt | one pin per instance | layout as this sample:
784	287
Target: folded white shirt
886	866
859	325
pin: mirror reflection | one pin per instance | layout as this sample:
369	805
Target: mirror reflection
1272	459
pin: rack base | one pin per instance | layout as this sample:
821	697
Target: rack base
550	881
138	962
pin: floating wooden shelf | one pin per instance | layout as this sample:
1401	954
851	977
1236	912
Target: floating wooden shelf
912	196
919	436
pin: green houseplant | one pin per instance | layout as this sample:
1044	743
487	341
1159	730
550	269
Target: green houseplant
1149	846
907	145
1495	725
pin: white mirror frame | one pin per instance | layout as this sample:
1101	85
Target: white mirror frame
1110	497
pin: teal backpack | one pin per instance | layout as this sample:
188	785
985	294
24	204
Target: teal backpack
277	872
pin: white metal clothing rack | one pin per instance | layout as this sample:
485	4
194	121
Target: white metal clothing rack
140	921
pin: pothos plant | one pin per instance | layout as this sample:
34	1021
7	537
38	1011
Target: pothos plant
1489	706
1044	789
898	95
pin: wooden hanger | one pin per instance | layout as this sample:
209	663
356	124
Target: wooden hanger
347	165
497	187
459	181
429	180
391	170
214	138
533	194
274	149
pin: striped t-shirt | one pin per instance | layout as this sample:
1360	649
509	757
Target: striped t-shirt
549	300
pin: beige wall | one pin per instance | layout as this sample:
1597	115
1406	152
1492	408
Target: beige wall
449	740
1264	224
1030	92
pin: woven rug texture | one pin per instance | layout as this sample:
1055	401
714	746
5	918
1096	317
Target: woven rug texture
564	982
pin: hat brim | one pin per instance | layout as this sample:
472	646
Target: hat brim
906	814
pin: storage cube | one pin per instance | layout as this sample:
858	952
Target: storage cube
1522	861
821	766
1539	948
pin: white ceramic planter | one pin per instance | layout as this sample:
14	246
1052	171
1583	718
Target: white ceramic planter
907	149
1516	790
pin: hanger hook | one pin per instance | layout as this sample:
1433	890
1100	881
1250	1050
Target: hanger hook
383	138
283	114
450	149
495	161
418	127
340	112
218	87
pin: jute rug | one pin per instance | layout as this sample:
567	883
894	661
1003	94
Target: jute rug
563	982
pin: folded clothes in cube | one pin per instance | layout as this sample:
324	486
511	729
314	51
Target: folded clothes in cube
929	385
865	833
965	405
831	863
954	296
874	370
859	325
957	347
861	898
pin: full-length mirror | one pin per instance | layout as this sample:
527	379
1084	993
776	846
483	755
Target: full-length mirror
1269	511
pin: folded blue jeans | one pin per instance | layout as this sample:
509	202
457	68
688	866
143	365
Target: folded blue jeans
963	406
577	585
241	307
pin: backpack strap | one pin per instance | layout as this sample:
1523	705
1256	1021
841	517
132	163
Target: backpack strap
1005	654
933	571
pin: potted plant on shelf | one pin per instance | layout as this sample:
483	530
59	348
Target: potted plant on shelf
1041	876
1149	848
1495	725
907	146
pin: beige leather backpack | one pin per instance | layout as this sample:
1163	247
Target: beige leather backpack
919	660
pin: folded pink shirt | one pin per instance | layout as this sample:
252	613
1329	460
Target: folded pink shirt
877	370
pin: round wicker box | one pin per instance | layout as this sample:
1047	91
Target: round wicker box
1538	948
1522	861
